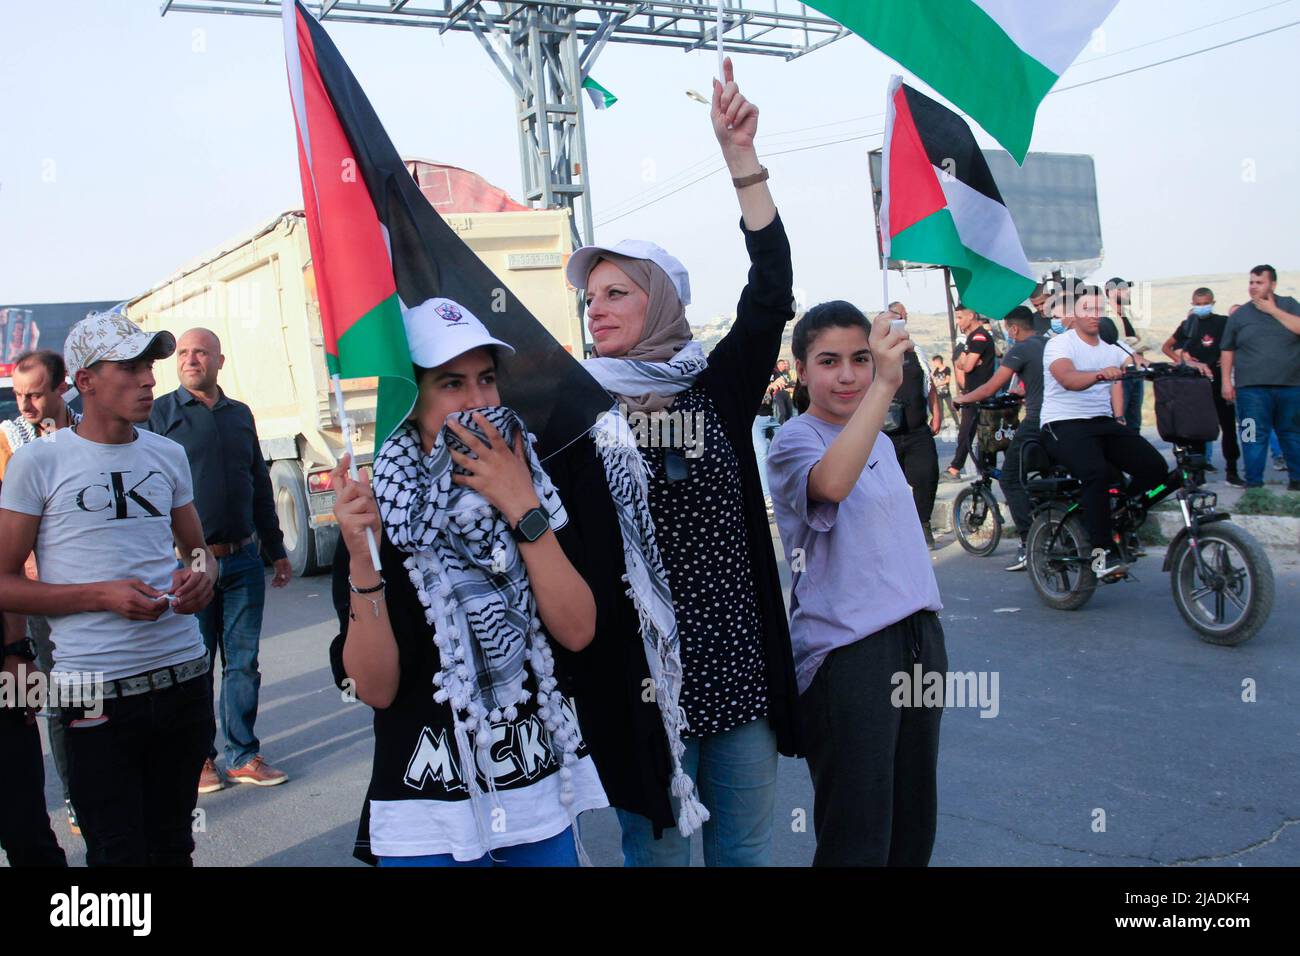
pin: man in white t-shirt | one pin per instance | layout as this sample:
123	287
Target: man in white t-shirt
1082	423
104	505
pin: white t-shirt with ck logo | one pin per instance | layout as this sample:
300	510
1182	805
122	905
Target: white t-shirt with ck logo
105	514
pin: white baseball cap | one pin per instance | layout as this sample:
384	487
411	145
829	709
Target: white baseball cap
112	337
438	330
580	264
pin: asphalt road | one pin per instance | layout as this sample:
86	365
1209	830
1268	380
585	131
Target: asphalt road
1116	707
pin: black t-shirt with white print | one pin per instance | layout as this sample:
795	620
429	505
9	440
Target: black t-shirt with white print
418	803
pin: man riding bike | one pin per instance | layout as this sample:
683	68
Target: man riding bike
1083	425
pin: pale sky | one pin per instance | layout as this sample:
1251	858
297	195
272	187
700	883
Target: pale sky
132	143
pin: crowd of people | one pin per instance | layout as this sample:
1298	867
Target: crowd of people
602	629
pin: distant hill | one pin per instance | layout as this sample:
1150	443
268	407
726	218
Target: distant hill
1158	305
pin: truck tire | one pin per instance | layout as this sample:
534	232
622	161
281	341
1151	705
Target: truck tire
287	487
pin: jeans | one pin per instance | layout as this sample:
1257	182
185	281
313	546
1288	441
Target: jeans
764	426
1088	447
134	773
735	773
1013	488
38	629
25	833
558	850
233	622
1133	388
874	763
1264	410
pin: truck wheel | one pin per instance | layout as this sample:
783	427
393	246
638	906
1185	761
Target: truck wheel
291	509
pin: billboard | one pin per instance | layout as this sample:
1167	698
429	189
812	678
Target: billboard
40	326
1052	199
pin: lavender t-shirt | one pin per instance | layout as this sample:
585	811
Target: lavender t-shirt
858	566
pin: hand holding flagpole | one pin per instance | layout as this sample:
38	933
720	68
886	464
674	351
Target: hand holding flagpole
346	425
721	53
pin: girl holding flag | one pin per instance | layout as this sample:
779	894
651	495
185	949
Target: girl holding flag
479	760
701	571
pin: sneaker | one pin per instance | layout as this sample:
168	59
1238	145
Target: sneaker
950	475
929	537
73	825
210	778
1233	478
257	772
1113	565
767	500
1020	562
1279	463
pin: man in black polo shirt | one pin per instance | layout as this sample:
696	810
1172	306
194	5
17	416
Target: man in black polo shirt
1196	342
976	367
232	490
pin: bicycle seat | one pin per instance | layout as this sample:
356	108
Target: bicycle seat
1057	481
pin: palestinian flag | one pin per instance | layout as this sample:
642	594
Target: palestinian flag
994	59
601	98
379	249
940	205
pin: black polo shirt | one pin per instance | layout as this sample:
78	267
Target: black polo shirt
232	487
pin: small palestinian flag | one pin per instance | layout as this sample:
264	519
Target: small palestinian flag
379	250
994	59
940	205
601	98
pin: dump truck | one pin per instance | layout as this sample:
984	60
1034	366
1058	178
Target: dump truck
257	294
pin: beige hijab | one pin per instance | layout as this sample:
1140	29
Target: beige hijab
666	330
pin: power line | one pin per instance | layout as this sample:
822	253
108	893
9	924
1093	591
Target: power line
1181	56
1174	36
847	139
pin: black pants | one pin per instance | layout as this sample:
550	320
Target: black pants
1013	488
1088	447
873	764
135	776
945	400
970	416
25	833
1227	414
918	456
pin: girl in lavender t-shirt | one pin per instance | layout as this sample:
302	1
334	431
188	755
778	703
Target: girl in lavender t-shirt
862	608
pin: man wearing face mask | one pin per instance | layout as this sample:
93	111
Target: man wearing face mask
1196	342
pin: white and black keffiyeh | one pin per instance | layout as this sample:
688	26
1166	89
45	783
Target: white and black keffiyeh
471	579
648	588
649	386
19	431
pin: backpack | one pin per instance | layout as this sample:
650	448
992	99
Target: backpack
1185	412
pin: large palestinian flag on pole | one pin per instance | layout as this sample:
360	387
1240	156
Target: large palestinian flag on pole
940	205
994	59
379	249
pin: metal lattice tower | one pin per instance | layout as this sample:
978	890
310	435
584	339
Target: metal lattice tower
546	50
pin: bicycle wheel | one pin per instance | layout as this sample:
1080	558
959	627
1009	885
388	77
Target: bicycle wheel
1234	601
977	520
1059	560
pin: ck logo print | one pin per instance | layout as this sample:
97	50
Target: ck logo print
116	494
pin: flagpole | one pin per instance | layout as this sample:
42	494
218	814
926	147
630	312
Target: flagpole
346	426
720	51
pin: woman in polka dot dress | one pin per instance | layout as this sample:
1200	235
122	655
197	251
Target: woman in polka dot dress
711	529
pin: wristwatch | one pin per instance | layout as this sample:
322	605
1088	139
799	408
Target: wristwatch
531	526
24	649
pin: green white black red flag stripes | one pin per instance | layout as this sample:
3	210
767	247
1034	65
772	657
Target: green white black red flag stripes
940	205
994	59
379	249
601	98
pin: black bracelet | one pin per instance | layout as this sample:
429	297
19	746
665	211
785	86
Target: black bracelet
377	587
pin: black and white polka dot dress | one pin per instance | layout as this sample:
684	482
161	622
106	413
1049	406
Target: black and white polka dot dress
700	528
